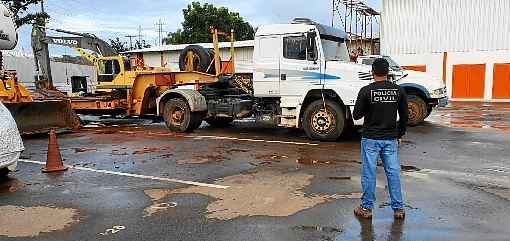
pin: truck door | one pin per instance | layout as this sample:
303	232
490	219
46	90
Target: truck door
299	64
266	79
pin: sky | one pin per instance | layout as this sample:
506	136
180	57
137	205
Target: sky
117	18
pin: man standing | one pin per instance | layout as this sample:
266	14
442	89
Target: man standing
378	103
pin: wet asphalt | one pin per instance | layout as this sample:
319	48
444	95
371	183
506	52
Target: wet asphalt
456	182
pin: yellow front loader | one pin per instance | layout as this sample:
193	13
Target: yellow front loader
35	114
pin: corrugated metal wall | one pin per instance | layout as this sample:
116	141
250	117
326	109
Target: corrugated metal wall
431	26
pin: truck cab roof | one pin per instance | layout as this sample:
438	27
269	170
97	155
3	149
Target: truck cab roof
300	25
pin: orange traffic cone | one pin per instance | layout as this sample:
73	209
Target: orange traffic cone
54	161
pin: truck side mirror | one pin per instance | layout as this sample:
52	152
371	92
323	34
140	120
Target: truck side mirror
311	48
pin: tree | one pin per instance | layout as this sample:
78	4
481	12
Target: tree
19	9
197	20
141	45
118	45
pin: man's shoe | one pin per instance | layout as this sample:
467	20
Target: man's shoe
399	213
363	212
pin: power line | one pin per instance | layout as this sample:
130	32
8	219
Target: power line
130	40
159	29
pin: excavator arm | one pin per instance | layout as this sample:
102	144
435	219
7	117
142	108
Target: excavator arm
79	41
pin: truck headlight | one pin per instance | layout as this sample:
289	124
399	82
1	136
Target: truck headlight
440	91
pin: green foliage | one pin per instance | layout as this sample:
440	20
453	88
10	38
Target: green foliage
141	45
19	9
118	45
198	18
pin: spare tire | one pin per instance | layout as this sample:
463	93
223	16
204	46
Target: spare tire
201	58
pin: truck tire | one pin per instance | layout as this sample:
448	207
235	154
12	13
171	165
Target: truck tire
219	121
324	125
417	110
201	58
429	111
179	118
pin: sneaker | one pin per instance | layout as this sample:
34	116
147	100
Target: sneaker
399	213
363	212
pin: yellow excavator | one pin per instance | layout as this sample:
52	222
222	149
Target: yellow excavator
34	112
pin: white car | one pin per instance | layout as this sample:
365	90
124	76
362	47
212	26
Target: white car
11	144
424	91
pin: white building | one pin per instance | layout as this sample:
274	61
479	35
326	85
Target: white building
168	55
465	42
67	77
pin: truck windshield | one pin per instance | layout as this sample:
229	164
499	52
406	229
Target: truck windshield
334	49
393	65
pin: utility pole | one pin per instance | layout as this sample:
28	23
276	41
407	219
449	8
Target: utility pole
130	41
42	6
140	34
159	28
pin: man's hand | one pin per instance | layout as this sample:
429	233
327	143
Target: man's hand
399	141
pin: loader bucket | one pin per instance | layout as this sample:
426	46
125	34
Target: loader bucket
41	116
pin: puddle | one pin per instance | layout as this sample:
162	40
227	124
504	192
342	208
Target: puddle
84	149
405	168
17	221
146	150
166	134
264	193
315	162
11	186
318	229
214	157
387	204
340	178
271	157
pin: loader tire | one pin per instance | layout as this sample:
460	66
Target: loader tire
417	110
179	118
201	58
219	121
324	125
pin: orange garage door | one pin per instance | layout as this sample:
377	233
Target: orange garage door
501	84
468	81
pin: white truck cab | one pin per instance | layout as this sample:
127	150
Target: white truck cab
306	65
425	92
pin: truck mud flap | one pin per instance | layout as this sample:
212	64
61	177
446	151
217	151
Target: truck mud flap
42	116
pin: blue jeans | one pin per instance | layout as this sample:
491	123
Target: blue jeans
371	151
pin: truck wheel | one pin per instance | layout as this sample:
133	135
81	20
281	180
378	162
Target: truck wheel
219	121
417	110
324	125
179	118
201	58
429	111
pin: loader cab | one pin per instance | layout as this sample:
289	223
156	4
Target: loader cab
111	72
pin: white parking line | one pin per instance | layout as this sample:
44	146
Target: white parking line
134	175
253	140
